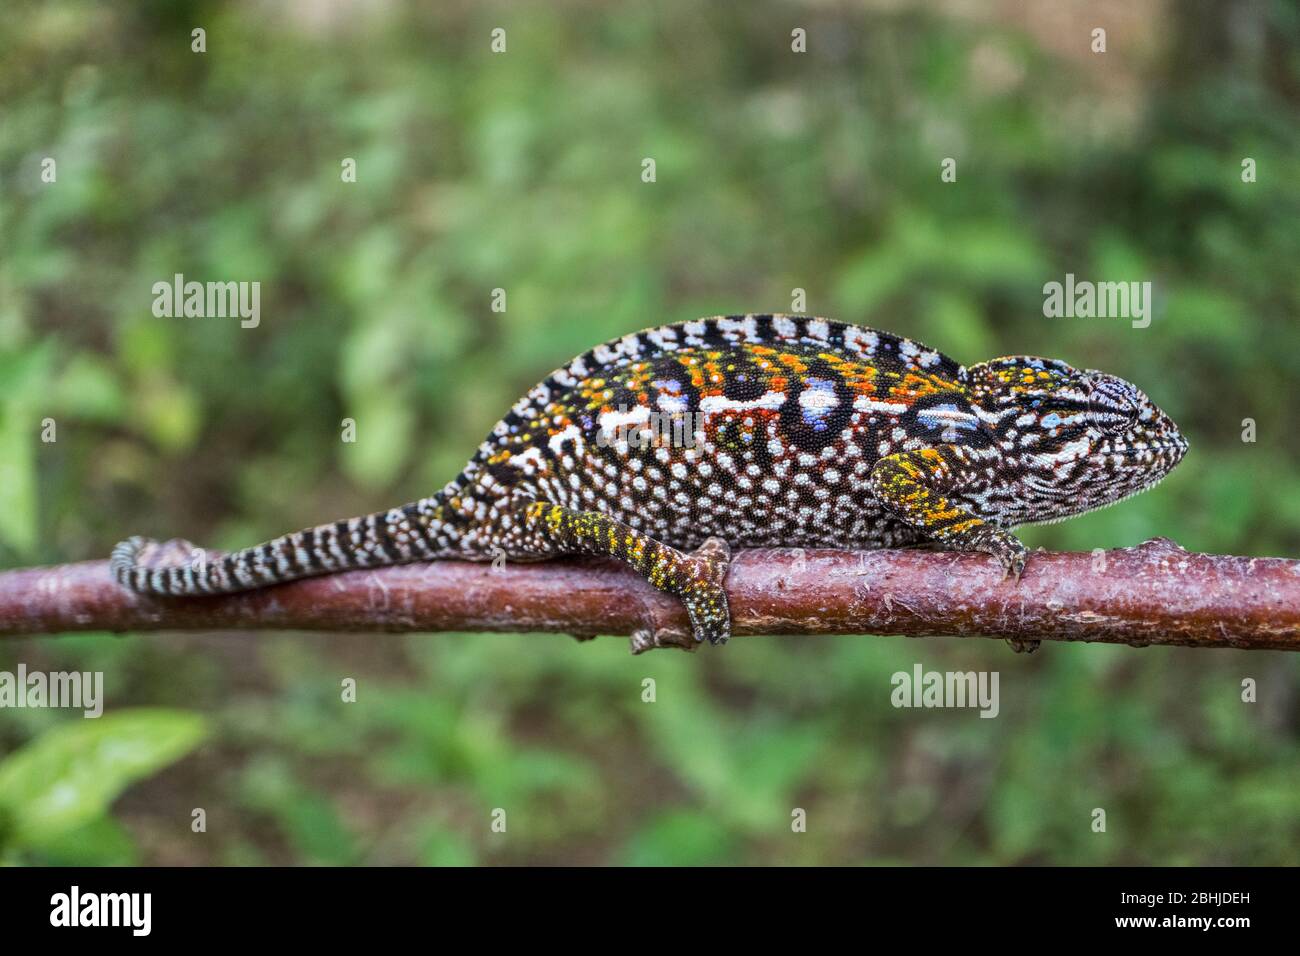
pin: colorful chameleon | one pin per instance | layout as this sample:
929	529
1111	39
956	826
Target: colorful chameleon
668	447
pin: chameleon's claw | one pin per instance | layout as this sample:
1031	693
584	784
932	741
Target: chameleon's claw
1022	646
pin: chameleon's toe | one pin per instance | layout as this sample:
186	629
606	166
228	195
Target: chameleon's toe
1023	646
703	594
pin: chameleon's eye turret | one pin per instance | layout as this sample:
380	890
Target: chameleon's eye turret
1113	404
1131	425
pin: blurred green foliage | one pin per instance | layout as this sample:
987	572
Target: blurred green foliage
56	790
522	171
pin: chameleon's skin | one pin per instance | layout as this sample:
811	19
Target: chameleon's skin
809	433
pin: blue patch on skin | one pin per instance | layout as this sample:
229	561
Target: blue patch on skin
817	402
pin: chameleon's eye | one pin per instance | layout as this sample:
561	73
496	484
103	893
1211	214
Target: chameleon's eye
1113	404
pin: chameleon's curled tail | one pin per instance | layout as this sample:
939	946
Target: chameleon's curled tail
415	532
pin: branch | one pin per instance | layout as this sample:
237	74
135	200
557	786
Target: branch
1156	593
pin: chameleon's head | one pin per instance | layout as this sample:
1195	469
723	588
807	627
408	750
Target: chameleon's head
1082	439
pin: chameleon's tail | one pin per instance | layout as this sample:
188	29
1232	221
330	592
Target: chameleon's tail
419	531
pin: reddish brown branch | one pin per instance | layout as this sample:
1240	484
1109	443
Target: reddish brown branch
1153	594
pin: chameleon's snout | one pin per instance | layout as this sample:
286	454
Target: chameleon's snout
1153	443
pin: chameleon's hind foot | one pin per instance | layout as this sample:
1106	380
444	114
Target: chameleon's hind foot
703	594
1021	646
696	577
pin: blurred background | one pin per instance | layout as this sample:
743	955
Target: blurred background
522	170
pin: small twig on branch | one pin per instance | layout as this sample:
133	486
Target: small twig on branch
1156	593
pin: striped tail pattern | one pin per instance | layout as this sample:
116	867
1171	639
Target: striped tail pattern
418	531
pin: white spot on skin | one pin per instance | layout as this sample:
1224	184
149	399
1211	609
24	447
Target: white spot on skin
672	404
864	404
611	421
713	404
864	341
1070	452
573	432
528	460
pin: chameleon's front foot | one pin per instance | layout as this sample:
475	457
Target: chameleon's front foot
703	594
914	486
1003	545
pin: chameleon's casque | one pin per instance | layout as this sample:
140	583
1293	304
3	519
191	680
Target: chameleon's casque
667	447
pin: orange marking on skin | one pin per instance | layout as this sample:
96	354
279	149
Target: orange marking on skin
913	386
793	362
859	376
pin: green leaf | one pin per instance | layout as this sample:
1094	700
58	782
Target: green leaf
69	776
102	842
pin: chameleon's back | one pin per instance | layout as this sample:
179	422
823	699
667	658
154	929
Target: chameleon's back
761	429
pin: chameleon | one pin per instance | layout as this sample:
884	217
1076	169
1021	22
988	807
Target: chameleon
668	447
